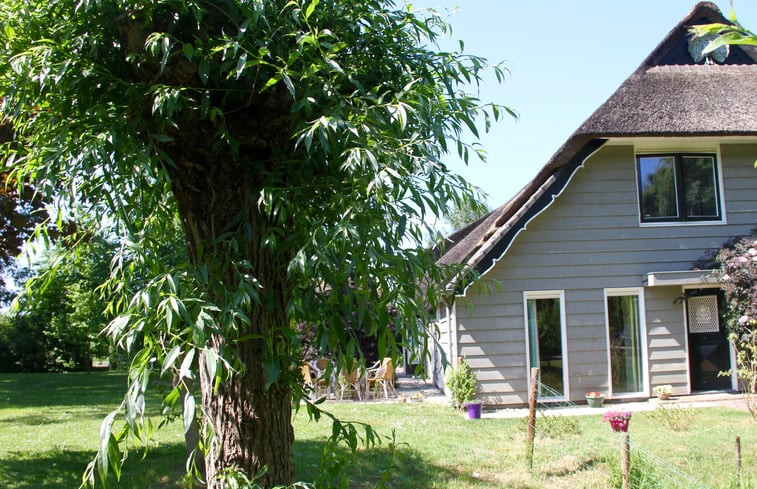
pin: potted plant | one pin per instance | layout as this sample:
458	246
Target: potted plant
461	382
664	392
594	399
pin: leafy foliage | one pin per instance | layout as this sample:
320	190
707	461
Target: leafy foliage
300	144
461	381
725	34
673	416
57	326
738	275
462	214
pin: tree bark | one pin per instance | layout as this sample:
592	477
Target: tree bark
249	423
252	427
217	188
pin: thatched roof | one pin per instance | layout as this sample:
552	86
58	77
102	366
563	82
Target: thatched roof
669	94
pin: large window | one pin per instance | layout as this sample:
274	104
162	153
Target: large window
545	341
626	342
678	187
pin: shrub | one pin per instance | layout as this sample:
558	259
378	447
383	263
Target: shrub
738	275
554	426
461	382
675	417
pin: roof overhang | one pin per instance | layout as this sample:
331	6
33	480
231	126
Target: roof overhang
682	277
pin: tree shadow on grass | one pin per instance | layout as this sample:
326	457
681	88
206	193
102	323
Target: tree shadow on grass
404	468
61	389
163	468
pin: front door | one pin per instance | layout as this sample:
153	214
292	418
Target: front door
708	342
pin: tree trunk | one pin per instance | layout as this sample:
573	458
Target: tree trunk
217	190
252	426
249	425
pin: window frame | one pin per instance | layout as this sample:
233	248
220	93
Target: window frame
549	294
621	292
680	198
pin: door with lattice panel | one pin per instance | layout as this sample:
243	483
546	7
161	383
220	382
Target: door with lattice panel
709	353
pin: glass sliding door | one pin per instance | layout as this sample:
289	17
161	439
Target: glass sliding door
545	342
626	343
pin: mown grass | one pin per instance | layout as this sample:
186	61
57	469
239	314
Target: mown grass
49	430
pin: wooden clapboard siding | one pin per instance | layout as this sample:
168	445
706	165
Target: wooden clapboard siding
588	240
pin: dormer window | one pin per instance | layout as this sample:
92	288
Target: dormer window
678	187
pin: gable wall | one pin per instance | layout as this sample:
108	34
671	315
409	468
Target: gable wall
588	240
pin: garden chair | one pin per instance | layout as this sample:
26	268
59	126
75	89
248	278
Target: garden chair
381	375
313	381
351	381
324	375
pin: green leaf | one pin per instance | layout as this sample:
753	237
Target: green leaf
211	364
171	358
288	83
188	411
185	371
272	371
241	63
271	82
189	51
311	8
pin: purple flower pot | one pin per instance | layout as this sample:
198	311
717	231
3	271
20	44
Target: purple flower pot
474	410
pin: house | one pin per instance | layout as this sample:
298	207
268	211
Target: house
587	272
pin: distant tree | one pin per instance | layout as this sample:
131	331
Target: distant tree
57	327
299	141
464	213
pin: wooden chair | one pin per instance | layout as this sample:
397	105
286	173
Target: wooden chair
312	380
307	377
381	376
324	375
351	381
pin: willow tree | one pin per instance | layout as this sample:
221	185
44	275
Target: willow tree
299	143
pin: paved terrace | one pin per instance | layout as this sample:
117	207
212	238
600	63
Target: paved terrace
407	387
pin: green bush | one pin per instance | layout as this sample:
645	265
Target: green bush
461	382
677	418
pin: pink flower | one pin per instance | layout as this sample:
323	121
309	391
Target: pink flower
618	420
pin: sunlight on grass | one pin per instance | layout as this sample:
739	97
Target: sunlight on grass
50	426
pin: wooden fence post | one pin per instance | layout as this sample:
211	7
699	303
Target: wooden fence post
738	456
532	394
625	459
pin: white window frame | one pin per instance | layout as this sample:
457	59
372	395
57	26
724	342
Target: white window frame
620	292
549	294
682	151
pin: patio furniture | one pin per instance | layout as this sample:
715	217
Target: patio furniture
313	380
381	376
351	382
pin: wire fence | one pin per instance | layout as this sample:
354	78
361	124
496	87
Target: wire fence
558	453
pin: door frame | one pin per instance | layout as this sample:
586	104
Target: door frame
731	351
619	292
549	294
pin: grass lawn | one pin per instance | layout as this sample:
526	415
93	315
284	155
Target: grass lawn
49	430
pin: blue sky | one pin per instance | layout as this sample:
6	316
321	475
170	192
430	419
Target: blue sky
565	59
